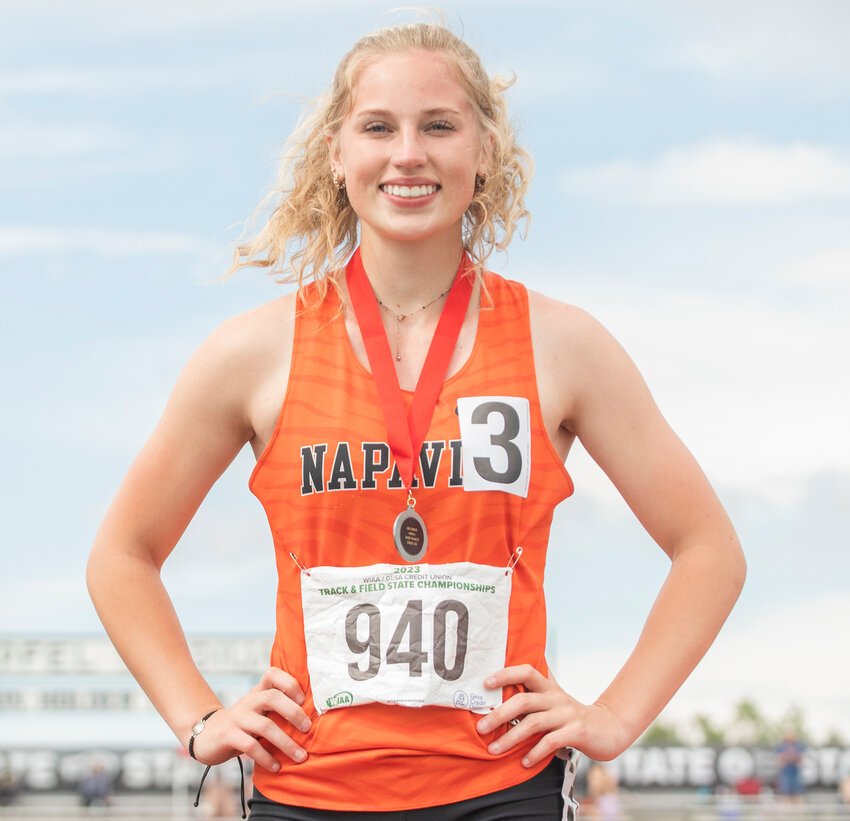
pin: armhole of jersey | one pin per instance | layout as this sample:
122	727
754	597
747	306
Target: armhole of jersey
539	415
296	344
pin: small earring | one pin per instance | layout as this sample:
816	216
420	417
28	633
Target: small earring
339	182
480	181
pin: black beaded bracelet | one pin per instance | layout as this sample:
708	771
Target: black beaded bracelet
241	786
197	729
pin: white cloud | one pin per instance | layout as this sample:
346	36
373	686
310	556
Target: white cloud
47	599
20	140
829	268
28	239
38	153
787	656
737	378
754	42
103	80
718	173
95	19
537	81
141	19
214	72
755	386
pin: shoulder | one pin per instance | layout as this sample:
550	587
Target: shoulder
579	363
250	334
237	361
552	322
567	333
560	318
251	340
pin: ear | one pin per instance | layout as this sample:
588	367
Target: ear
486	156
333	153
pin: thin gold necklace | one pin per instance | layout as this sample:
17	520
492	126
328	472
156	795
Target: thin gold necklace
401	317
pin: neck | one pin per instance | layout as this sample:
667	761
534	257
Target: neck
406	275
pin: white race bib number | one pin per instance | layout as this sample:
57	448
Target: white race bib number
496	436
412	635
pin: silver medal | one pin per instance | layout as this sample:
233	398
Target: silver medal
410	535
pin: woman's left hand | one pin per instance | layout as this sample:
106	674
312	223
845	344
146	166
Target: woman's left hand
545	708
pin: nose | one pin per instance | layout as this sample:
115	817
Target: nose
408	151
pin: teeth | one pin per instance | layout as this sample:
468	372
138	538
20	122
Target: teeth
409	191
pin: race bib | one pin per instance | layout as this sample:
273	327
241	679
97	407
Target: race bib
412	635
496	436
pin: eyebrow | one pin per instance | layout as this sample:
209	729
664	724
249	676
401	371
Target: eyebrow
431	112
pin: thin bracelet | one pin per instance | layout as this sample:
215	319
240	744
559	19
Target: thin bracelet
241	786
202	722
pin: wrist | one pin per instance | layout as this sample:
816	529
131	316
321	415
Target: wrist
619	731
197	729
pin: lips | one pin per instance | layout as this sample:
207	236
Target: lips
410	191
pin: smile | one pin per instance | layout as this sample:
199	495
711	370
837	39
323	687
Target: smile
409	191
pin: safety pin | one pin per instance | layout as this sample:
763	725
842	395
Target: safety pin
514	560
295	559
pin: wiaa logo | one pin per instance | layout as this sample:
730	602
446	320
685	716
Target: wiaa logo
342	699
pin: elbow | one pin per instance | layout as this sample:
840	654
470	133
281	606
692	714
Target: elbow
110	569
719	562
738	567
116	565
730	568
95	574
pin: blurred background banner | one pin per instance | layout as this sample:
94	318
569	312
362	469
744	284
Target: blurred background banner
676	769
65	656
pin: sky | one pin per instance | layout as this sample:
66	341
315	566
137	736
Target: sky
692	191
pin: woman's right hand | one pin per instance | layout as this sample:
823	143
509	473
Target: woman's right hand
239	729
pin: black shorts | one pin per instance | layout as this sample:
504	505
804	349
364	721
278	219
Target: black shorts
538	799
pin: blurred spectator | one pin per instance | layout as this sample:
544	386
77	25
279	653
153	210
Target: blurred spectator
219	799
844	790
789	756
8	788
95	788
602	789
749	786
728	803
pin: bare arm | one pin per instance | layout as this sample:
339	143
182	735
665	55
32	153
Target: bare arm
591	389
210	415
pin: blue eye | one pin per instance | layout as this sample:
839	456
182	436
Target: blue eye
442	125
375	128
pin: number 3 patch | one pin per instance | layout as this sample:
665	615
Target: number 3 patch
496	436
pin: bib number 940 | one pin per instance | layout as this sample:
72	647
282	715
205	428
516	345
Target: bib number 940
406	644
413	636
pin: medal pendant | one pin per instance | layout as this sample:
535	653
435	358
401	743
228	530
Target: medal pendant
410	535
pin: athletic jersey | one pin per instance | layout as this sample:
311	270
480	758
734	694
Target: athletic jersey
329	486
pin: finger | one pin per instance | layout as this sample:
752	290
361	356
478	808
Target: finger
529	726
241	734
517	706
275	701
252	748
277	679
261	727
549	744
259	754
520	674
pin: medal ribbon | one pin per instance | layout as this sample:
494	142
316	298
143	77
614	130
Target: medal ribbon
406	432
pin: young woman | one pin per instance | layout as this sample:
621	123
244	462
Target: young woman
411	415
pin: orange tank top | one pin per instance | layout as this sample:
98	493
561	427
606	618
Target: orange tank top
329	488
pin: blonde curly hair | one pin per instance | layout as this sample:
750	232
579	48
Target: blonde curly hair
313	228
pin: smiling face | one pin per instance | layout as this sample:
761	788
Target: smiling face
409	149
